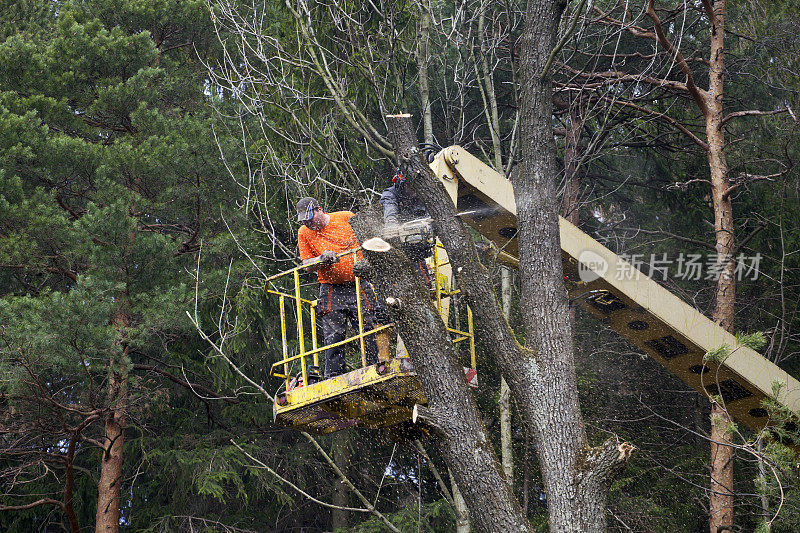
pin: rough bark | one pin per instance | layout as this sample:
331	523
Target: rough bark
526	472
111	460
451	414
471	276
567	469
504	401
721	504
576	476
108	486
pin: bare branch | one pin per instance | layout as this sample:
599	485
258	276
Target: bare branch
37	503
697	93
266	467
753	113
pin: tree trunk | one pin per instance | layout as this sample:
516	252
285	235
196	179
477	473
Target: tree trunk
504	402
451	415
422	66
109	484
567	469
721	498
542	403
558	428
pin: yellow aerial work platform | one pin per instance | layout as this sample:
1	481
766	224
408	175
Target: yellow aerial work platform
372	396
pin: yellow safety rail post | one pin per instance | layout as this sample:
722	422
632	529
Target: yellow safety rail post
448	292
300	331
472	358
282	304
360	323
313	312
436	286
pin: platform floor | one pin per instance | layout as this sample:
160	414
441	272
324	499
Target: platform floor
361	398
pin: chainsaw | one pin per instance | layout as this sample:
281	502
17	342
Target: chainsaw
411	232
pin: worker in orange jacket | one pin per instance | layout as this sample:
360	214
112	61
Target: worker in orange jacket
321	238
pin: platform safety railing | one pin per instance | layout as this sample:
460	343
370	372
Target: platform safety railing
275	285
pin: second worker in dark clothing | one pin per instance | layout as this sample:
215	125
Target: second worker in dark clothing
401	205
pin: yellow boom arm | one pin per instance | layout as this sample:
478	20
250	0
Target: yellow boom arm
648	315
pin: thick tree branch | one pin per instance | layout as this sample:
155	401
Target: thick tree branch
709	10
451	409
194	387
473	277
697	93
37	503
753	113
603	461
427	417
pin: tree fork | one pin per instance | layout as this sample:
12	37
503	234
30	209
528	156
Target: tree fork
548	403
518	364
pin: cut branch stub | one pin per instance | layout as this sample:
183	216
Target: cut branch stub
426	417
363	269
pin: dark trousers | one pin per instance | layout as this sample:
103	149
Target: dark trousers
338	305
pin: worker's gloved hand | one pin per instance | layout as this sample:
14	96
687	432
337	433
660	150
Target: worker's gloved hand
329	257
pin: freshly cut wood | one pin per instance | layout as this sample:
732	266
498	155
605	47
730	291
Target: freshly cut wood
376	244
